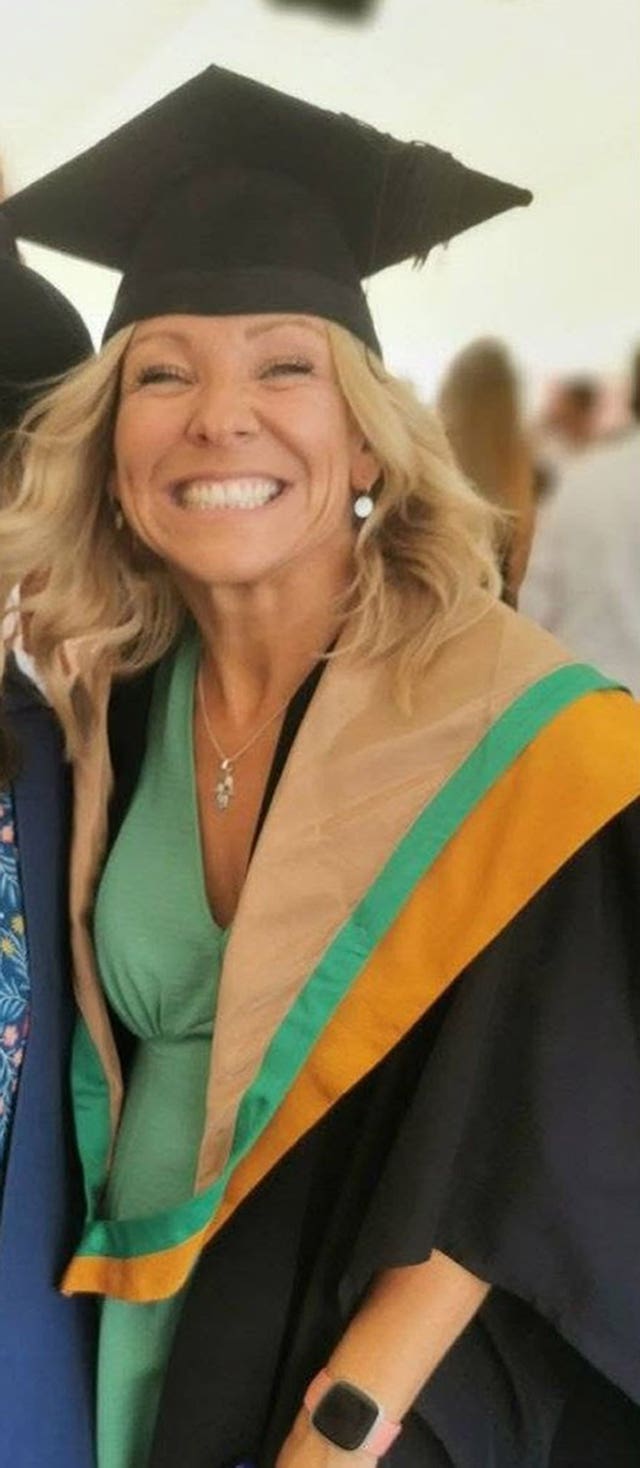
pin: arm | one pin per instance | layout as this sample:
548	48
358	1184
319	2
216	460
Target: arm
407	1323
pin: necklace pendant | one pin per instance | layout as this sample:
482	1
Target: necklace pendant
225	785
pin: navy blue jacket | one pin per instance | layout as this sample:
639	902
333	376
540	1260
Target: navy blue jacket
46	1342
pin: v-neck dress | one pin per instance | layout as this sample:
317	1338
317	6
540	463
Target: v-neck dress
159	953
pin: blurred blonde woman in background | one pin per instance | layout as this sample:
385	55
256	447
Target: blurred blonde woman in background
479	402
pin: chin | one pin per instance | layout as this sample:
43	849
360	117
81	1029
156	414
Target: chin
231	571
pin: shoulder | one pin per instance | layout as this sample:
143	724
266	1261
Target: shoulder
19	692
129	704
127	721
32	735
129	707
497	655
531	708
610	468
502	672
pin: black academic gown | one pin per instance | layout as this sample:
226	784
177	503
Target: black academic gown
504	1129
46	1342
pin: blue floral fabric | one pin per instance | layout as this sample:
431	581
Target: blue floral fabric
14	976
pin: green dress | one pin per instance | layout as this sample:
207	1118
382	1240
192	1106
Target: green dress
159	954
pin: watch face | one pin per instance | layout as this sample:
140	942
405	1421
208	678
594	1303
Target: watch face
345	1416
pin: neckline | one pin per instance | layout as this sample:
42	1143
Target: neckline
188	653
186	667
293	716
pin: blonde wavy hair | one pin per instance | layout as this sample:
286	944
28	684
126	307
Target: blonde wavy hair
97	605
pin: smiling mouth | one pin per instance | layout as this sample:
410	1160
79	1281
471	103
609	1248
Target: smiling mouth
246	493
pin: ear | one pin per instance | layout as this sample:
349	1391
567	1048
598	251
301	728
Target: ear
365	467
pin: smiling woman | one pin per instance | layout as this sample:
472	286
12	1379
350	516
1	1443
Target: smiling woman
120	598
339	1194
238	425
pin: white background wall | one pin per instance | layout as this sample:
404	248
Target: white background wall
543	92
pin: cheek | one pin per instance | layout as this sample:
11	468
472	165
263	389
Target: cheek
128	449
322	432
335	460
329	452
142	436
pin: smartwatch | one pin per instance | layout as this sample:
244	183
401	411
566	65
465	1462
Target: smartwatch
348	1417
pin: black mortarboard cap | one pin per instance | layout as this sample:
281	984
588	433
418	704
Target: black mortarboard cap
228	197
41	333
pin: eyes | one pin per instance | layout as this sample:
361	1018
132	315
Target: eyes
286	367
156	374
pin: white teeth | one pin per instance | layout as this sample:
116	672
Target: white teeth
229	494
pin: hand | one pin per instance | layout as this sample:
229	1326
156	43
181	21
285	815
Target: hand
306	1448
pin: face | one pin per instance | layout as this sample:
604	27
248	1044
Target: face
235	453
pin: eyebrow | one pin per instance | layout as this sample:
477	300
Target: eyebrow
168	335
283	322
251	331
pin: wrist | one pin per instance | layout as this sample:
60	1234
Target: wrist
348	1417
324	1454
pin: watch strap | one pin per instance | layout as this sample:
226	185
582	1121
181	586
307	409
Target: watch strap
381	1436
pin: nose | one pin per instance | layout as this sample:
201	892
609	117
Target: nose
221	411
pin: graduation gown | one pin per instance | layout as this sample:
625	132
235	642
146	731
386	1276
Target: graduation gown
426	1037
46	1342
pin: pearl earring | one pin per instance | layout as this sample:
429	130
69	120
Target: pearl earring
362	506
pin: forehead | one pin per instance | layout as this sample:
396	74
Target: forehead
219	331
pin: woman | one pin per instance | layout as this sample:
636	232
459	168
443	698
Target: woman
334	1212
46	1343
480	409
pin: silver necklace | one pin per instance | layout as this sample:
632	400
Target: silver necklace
225	786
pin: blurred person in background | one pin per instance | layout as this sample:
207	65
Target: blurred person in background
634	389
568	424
479	402
46	1342
583	581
